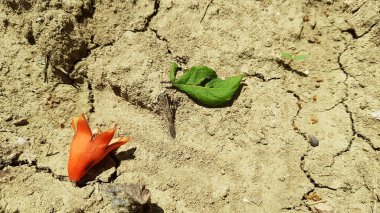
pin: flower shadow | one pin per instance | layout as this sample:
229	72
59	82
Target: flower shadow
105	170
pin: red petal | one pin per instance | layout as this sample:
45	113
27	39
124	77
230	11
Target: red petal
81	127
103	139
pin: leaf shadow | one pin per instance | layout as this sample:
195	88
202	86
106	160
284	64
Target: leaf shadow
287	66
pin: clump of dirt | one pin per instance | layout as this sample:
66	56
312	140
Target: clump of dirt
127	197
59	38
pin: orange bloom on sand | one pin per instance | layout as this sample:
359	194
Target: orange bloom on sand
87	150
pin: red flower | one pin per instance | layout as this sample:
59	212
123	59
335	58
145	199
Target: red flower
86	150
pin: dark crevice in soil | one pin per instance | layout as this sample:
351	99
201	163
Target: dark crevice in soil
335	105
353	131
351	119
258	76
49	171
17	162
91	99
311	179
358	8
353	33
161	38
291	208
150	17
365	138
302	159
117	91
30	38
304	199
348	148
341	67
33	163
293	121
261	77
143	29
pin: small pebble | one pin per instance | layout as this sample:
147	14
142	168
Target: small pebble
376	115
187	156
313	141
221	192
99	198
323	208
22	141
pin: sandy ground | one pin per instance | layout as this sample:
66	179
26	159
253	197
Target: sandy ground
111	59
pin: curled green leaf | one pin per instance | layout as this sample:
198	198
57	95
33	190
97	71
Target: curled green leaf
300	57
287	55
202	84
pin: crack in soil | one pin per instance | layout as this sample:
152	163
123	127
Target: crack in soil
145	28
34	164
354	133
91	98
163	39
49	171
302	159
261	77
353	130
353	33
335	105
341	67
149	18
311	179
365	138
293	121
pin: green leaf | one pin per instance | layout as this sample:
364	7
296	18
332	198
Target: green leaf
202	84
173	71
300	57
287	55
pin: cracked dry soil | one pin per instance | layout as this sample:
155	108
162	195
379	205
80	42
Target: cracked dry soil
110	59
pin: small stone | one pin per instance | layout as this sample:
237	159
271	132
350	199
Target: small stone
376	114
323	208
231	136
39	19
221	192
187	156
21	141
99	197
313	141
29	192
9	118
